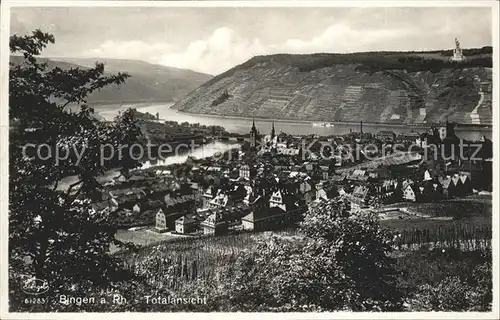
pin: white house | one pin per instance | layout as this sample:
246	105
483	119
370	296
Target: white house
410	193
245	172
161	221
427	175
276	200
221	200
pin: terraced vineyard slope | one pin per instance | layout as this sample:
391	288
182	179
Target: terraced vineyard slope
388	87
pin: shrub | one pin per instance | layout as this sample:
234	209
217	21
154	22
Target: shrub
342	264
451	294
448	280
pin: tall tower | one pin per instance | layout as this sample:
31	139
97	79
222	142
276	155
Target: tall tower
254	135
273	132
450	129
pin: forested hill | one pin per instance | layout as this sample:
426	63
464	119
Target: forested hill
394	87
148	82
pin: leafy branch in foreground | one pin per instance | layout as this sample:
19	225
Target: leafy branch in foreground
55	233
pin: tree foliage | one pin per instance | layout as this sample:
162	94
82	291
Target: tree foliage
449	280
55	233
342	263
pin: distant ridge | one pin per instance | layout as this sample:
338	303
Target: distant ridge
148	82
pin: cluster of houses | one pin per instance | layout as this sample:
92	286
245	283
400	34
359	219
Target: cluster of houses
246	203
259	193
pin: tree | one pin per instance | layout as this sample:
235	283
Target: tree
341	263
55	233
126	133
360	247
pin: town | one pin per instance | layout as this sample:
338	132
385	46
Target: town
271	181
238	158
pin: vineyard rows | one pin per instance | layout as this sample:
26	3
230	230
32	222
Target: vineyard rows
173	265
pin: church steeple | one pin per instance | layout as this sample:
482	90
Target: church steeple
254	135
254	129
273	133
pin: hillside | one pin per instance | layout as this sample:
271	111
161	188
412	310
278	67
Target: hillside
394	87
148	82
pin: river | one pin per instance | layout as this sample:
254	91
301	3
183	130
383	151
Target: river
242	125
204	151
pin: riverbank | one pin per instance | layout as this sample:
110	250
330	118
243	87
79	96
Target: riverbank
103	105
242	125
459	126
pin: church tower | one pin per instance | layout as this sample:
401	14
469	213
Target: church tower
273	132
450	130
254	135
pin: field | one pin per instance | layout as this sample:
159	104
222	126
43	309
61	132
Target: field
471	206
174	264
474	208
463	223
142	237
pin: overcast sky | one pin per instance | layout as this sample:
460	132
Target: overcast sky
213	40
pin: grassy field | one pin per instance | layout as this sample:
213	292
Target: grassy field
454	220
422	223
467	207
464	223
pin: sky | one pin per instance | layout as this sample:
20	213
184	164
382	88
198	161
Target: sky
212	40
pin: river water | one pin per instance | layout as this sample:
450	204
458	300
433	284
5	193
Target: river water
204	151
243	125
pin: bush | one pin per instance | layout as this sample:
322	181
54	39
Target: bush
341	264
452	294
448	280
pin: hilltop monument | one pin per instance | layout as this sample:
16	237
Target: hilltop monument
457	52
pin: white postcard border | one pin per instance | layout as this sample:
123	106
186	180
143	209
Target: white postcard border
4	55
